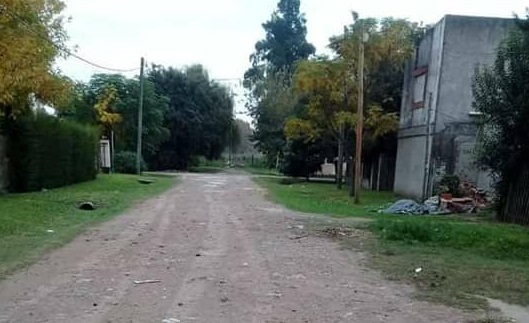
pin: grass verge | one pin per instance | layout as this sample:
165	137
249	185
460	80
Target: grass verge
26	218
458	260
459	257
323	198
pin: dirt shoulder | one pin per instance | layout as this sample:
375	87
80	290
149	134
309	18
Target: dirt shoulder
218	252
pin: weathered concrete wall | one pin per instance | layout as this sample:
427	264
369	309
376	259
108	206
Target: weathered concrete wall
409	170
468	42
439	132
3	165
416	126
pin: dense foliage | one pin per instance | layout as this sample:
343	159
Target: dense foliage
271	100
31	38
185	115
501	95
312	101
46	152
199	119
111	101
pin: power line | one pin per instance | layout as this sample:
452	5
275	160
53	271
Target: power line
59	48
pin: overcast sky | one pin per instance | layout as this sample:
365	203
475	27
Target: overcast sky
220	34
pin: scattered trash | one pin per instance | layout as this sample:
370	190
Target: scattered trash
171	320
245	264
406	207
300	227
299	237
198	255
224	299
348	315
418	270
86	206
337	232
50	231
149	281
455	196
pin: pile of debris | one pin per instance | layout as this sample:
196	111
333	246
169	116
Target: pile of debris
472	200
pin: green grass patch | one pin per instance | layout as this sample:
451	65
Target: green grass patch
26	218
323	198
262	171
460	262
452	276
497	241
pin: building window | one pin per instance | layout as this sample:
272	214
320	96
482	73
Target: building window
419	87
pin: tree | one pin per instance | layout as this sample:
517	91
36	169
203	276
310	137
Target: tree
285	42
119	96
332	107
277	104
32	37
391	43
268	82
200	116
501	96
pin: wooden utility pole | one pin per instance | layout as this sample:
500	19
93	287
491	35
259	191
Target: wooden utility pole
357	174
341	135
140	121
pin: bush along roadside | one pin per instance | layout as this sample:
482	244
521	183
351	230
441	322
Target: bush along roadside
47	152
125	163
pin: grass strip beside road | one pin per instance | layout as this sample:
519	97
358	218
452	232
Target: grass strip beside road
323	198
458	256
33	223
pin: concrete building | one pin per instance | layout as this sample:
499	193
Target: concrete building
437	133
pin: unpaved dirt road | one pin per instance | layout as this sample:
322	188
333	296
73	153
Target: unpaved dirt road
221	253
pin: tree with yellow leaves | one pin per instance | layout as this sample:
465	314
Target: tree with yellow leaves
330	84
106	117
31	38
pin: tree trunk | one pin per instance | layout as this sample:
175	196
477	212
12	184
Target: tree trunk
351	175
339	172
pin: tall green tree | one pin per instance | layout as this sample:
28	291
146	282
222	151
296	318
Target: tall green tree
199	119
501	95
285	42
268	81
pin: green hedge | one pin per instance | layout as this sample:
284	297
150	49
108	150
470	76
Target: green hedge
46	152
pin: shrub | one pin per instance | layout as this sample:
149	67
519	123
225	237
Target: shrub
46	152
125	162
